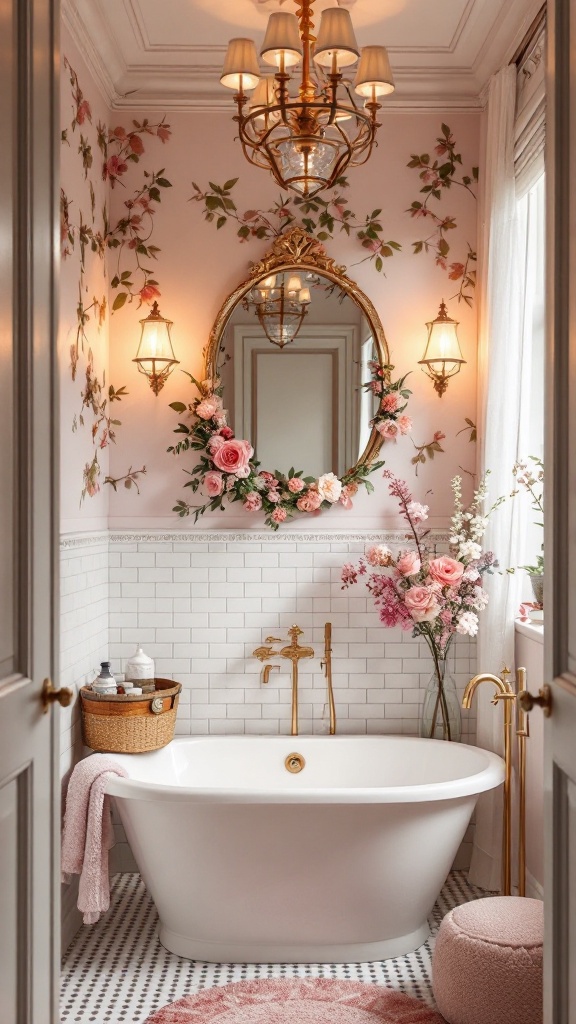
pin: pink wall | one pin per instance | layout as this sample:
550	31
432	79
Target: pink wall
198	266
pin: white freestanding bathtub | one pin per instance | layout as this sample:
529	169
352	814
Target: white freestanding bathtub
341	862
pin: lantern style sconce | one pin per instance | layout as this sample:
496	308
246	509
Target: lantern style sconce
442	358
155	356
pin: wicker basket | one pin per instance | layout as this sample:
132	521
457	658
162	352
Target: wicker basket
130	724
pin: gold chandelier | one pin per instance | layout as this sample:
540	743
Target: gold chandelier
307	141
280	306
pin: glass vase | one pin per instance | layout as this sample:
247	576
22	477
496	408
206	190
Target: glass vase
440	714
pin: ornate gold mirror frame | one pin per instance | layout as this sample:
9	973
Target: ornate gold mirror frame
227	468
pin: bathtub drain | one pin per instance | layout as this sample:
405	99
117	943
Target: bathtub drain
294	763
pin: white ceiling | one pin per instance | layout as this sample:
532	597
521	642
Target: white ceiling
168	54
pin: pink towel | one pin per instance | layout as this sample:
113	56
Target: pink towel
88	833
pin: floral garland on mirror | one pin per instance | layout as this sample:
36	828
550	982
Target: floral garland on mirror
227	467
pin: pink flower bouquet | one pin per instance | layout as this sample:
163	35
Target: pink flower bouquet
435	596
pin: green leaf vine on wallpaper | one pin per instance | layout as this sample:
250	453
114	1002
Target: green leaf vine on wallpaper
320	217
130	237
439	175
426	452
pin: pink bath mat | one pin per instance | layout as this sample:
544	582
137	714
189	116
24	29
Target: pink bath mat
299	1001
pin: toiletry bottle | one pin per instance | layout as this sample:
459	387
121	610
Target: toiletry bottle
105	682
140	670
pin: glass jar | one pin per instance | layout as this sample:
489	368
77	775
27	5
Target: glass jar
440	714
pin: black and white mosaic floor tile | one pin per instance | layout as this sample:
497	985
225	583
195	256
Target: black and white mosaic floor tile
117	971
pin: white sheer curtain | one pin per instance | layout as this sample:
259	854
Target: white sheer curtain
500	393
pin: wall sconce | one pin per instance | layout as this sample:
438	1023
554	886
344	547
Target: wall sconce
442	358
155	356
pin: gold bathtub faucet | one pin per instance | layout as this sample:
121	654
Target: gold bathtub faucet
505	693
294	652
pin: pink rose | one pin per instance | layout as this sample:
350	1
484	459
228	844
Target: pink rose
404	424
329	487
295	484
446	571
422	604
388	429
310	501
390	402
209	407
233	455
279	514
253	501
226	433
408	563
213	483
148	293
243	472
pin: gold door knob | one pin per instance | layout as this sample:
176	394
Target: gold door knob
49	695
543	700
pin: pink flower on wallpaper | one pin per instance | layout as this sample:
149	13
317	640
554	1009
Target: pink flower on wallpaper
163	132
233	455
422	603
296	484
148	293
113	168
136	144
118	133
408	563
83	112
253	501
213	483
446	571
405	424
310	501
279	514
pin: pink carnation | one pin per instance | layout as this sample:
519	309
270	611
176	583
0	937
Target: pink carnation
295	484
310	501
390	402
253	501
279	514
209	407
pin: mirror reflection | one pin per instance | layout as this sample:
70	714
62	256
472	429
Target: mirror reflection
292	357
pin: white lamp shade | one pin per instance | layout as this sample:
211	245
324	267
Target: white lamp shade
443	345
304	296
336	40
374	75
155	344
282	40
294	284
241	71
264	96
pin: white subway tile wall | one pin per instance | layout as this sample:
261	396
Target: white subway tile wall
84	614
199	604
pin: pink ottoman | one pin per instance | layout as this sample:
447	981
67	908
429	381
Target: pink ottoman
487	964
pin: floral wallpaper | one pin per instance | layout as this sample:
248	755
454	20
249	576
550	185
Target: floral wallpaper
158	208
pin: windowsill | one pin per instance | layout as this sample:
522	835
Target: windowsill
533	630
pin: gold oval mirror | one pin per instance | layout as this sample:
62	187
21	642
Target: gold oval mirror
297	365
293	346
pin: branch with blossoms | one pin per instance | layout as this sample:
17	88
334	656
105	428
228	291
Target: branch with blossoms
81	108
437	176
436	597
227	470
98	399
318	216
129	479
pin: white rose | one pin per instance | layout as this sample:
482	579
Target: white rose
329	487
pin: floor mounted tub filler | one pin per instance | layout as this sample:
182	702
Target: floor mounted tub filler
303	849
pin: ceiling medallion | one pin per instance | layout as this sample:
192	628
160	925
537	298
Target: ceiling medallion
307	140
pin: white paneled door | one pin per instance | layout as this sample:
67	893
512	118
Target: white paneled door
29	811
560	517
